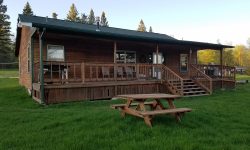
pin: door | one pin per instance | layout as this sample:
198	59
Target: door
183	63
157	71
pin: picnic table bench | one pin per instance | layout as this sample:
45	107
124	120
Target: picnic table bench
137	105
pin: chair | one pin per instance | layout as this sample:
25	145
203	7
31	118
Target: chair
105	72
120	72
129	72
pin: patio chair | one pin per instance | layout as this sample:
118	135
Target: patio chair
129	72
120	72
105	72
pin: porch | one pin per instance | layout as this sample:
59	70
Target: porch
80	80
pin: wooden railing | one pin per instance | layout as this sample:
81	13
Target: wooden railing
174	81
218	71
201	78
75	72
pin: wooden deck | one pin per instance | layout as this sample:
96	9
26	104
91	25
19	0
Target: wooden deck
81	81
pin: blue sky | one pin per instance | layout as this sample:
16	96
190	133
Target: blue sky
195	20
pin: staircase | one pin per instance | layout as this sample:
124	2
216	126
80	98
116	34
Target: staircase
199	85
190	88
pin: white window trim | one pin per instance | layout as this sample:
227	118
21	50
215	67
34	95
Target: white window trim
55	45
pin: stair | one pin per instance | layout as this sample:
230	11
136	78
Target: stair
190	88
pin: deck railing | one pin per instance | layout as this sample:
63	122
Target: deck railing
201	78
174	81
218	71
75	72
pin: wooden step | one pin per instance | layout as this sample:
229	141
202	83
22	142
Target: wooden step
195	95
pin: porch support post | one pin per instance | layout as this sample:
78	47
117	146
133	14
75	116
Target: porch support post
32	63
41	73
221	65
189	62
157	60
115	67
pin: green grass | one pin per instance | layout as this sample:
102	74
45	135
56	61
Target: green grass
220	121
242	77
8	73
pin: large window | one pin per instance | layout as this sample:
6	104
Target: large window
184	62
55	53
125	57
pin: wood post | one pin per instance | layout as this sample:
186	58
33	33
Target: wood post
221	64
83	72
41	73
115	66
157	60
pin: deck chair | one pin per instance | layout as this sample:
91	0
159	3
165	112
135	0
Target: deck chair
129	72
105	72
120	72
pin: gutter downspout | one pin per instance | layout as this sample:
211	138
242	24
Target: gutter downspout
32	60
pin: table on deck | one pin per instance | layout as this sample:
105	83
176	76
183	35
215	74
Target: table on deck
136	105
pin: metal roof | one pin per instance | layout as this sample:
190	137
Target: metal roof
108	32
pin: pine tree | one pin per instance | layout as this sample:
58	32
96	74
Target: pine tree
6	46
54	15
91	17
104	21
27	9
84	18
73	14
150	29
142	27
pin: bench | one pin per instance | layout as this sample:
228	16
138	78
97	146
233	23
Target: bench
116	106
165	111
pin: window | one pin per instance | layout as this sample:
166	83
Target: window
125	57
55	53
184	62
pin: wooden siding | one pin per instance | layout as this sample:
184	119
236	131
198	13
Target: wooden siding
80	93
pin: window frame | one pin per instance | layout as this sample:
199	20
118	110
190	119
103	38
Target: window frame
47	58
125	59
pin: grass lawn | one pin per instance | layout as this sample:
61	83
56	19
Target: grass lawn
219	121
6	73
242	77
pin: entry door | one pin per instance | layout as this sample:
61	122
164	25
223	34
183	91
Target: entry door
183	63
157	71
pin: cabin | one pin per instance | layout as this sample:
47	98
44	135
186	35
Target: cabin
63	61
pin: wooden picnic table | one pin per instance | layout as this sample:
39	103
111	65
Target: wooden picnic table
137	105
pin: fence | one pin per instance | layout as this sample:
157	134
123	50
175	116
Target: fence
10	65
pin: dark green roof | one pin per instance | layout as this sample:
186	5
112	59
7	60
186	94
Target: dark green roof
109	32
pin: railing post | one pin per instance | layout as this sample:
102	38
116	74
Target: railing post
137	71
182	87
83	72
115	71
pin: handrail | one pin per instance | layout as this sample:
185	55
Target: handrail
199	77
173	79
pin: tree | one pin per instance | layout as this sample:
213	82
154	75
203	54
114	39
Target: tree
141	27
6	46
84	18
104	21
248	42
240	55
91	17
228	57
54	15
150	29
73	14
208	56
27	9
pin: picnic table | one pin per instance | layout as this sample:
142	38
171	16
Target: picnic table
148	105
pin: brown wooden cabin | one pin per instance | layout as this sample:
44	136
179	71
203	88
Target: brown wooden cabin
61	61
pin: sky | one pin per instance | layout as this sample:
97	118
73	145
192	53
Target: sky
194	20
